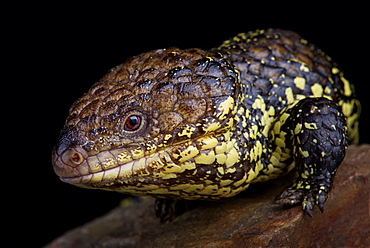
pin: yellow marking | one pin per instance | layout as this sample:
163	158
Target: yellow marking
169	176
305	174
237	118
304	153
122	156
187	166
289	95
283	117
236	39
257	104
226	182
310	125
155	161
209	58
229	145
323	154
209	127
223	191
347	109
278	150
277	127
167	136
232	157
246	135
137	153
253	131
224	108
230	170
300	82
171	168
158	174
179	186
187	131
205	158
271	169
317	90
304	68
327	90
256	151
247	113
166	157
221	158
259	166
271	111
277	155
299	96
274	161
282	135
285	155
188	153
347	87
221	148
150	148
108	163
251	175
297	128
208	190
258	148
334	70
267	127
207	142
326	56
229	123
220	170
279	142
194	187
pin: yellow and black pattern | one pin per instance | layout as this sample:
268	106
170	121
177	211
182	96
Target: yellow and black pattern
194	124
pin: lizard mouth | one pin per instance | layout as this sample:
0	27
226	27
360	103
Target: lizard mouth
72	167
109	168
105	177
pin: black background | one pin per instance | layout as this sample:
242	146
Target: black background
55	50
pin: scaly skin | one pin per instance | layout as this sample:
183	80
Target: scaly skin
194	124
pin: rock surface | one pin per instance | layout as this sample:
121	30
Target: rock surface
248	220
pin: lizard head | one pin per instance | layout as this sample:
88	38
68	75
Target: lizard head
162	118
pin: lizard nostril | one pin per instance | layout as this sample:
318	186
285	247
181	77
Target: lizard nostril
73	157
77	158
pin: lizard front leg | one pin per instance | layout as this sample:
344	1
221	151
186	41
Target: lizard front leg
318	135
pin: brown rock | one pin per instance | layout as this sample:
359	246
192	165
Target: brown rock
248	220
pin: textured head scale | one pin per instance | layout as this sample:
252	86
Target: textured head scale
146	121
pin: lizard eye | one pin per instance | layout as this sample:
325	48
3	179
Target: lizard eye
132	123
